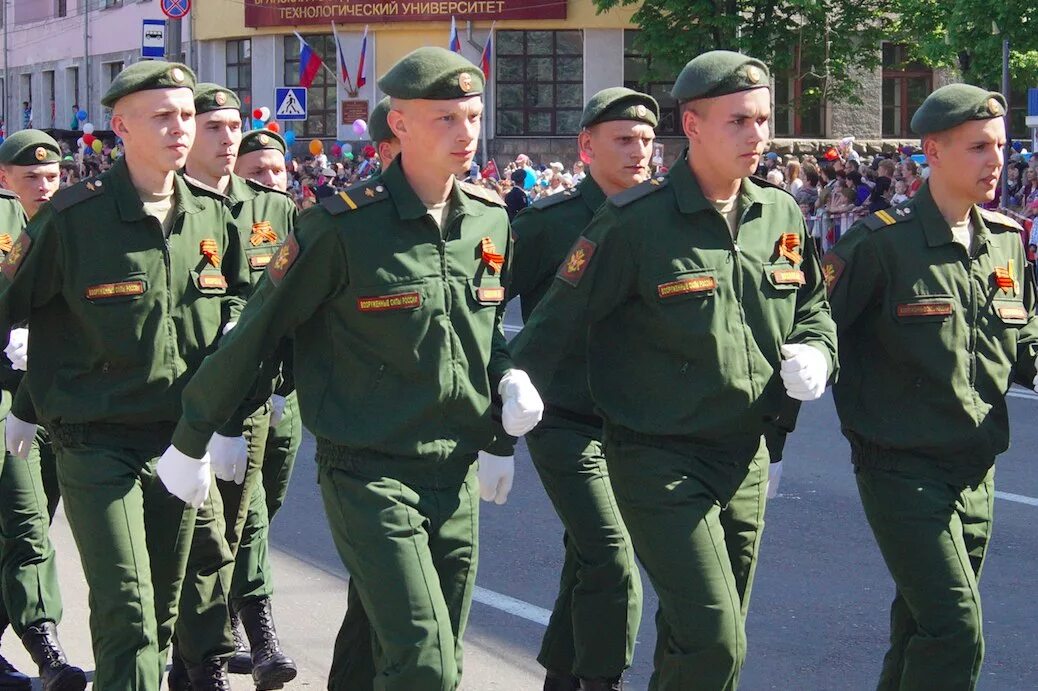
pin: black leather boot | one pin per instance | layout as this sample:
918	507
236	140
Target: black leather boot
178	679
41	640
615	684
560	681
271	668
210	676
241	663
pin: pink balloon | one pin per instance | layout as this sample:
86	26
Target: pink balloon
360	128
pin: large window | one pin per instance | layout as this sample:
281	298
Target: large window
321	97
636	70
60	8
798	108
239	72
540	82
905	85
1018	128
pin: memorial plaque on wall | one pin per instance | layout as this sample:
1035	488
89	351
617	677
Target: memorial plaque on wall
353	110
260	13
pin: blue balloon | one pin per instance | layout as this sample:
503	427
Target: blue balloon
290	137
81	115
1017	146
530	181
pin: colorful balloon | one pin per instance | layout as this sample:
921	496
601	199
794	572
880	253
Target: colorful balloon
88	139
257	114
348	156
316	147
97	146
264	113
347	147
273	127
290	137
88	128
360	128
336	151
81	115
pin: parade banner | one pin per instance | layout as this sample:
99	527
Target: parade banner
264	13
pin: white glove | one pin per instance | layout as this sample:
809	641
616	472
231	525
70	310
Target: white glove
774	478
17	350
804	371
18	436
522	407
230	457
227	327
186	478
277	405
495	475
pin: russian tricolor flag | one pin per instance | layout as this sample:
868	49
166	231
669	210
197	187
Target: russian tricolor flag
455	42
361	80
488	49
310	63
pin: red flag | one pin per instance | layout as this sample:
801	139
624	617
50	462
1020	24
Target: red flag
310	63
490	171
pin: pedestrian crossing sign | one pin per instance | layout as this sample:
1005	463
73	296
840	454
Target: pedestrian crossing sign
291	103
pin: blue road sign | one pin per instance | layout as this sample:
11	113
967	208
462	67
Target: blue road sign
290	103
153	38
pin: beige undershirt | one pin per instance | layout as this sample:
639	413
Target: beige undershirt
962	233
159	206
438	213
729	209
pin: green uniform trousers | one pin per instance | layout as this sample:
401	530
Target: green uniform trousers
253	577
203	629
933	536
695	516
28	572
133	538
595	620
408	533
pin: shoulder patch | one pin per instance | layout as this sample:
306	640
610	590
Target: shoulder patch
355	197
999	218
832	268
481	193
554	199
15	256
646	188
80	192
283	260
576	262
260	187
887	217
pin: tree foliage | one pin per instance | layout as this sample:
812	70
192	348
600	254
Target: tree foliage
824	43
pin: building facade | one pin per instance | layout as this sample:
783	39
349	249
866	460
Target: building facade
547	58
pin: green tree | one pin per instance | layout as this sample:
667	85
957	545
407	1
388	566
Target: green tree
823	42
961	34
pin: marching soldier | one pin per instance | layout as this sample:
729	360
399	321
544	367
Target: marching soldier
398	348
589	641
698	324
261	158
29	494
126	282
263	217
935	306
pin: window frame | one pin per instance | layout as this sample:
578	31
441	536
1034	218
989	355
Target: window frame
670	111
324	44
904	72
242	63
525	110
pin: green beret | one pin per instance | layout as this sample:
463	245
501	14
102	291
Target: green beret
436	74
378	125
620	103
29	148
257	140
718	73
953	105
210	97
149	74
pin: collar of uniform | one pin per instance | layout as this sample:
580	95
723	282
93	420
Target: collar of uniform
936	229
128	200
591	193
690	195
408	205
238	190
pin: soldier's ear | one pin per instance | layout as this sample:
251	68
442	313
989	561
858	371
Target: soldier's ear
689	121
395	120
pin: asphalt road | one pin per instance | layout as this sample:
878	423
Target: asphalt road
818	618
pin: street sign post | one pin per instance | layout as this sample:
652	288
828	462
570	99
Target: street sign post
175	9
290	102
153	39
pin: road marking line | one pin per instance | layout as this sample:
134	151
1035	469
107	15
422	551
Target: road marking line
510	605
1018	498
